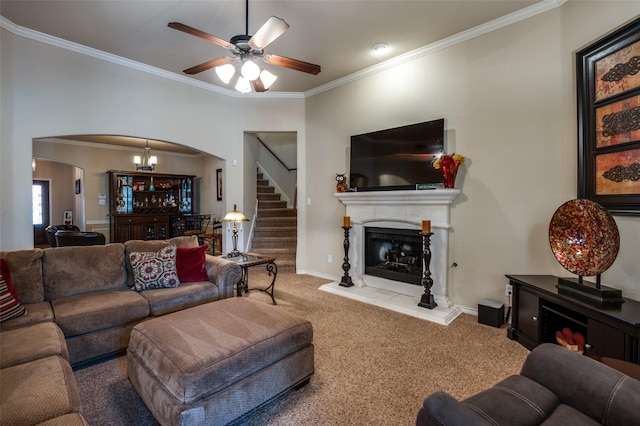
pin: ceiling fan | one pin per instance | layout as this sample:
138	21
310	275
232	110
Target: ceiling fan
244	49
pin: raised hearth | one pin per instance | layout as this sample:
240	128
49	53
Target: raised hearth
402	210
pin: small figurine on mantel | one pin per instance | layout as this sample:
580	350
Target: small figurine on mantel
341	186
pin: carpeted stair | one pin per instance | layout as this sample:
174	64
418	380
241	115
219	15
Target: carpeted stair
276	229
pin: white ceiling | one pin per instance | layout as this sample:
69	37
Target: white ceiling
337	35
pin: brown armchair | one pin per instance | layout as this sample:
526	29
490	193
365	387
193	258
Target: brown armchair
76	238
51	230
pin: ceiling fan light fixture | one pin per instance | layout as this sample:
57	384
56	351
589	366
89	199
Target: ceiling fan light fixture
243	86
267	78
250	70
225	72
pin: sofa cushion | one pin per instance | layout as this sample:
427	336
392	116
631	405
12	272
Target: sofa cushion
190	264
515	400
71	419
186	295
10	306
69	271
99	310
154	269
565	415
39	390
26	273
36	313
154	245
30	343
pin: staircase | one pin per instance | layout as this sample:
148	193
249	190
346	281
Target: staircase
275	231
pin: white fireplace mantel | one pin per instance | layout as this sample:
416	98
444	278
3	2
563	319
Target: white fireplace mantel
423	197
403	210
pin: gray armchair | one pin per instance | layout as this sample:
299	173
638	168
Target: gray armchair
555	387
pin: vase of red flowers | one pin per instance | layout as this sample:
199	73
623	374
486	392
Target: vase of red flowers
448	165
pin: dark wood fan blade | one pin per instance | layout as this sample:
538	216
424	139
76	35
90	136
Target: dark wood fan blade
207	65
271	30
294	64
258	86
194	32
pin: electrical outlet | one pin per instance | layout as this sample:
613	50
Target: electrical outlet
508	290
308	201
329	258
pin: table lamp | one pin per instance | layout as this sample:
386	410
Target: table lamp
234	216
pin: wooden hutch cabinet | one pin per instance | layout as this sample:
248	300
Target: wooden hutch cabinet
540	310
142	205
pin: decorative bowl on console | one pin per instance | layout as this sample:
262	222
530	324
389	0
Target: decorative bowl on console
585	240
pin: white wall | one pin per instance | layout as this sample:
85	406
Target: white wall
77	94
509	101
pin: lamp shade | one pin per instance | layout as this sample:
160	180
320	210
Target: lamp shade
225	72
267	78
250	70
243	85
235	216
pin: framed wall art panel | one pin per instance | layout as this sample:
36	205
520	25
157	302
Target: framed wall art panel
608	84
219	184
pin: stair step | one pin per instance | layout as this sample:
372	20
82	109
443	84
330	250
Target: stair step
271	204
276	222
273	231
269	213
260	175
268	197
265	189
263	182
275	242
284	257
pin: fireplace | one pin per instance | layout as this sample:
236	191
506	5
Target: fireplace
401	212
394	254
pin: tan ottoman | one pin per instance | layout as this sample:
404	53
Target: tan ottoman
212	363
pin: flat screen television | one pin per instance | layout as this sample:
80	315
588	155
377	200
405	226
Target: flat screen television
398	158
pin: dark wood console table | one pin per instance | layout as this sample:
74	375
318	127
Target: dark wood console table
610	330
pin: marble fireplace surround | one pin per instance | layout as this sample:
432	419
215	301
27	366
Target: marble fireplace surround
400	210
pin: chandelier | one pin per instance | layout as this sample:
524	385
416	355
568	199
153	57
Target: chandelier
147	162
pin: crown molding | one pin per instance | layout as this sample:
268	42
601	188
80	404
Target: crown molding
520	15
533	10
108	57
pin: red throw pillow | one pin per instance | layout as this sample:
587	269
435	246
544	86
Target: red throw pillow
5	271
10	303
190	264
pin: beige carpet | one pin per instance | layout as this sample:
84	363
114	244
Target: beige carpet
373	366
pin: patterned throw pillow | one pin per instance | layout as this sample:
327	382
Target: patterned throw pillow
154	270
10	307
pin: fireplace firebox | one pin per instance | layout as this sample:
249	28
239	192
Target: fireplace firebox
394	254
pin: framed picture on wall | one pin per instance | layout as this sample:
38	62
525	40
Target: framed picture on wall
219	184
608	84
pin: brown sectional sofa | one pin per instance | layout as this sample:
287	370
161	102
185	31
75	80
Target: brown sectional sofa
80	307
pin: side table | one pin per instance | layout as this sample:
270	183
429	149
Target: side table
246	261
